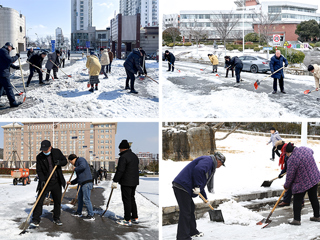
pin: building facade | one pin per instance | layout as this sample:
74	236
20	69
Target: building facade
170	20
95	141
81	15
80	38
12	28
148	10
103	39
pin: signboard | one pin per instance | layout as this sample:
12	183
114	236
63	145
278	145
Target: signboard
53	45
78	41
286	44
276	40
87	44
268	48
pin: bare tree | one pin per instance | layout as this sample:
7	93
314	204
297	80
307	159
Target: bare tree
48	39
173	33
195	30
265	23
224	23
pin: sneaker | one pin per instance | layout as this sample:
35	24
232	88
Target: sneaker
88	218
315	219
274	92
124	222
34	223
105	78
135	221
76	214
57	222
168	70
200	234
91	90
272	159
134	91
15	104
237	85
295	222
127	88
283	204
283	92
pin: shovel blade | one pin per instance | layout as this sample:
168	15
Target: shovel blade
268	222
216	216
201	70
266	184
69	76
74	201
24	225
256	84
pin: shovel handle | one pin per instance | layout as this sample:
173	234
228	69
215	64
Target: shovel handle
272	73
278	177
205	200
283	192
66	187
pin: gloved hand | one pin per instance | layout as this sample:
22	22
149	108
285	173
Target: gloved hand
114	185
18	55
57	162
196	190
280	175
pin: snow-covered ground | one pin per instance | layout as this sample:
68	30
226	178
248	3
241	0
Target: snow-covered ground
70	98
149	187
14	201
247	166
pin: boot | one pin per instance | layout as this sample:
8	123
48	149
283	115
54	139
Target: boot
55	75
96	87
91	89
15	104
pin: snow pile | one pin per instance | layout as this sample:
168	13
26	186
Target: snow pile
234	213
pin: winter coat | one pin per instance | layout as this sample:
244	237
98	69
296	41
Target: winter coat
105	57
63	55
93	65
6	62
83	172
235	62
30	54
110	56
170	57
36	59
316	74
275	137
42	167
132	64
54	58
277	63
196	173
127	173
214	60
302	170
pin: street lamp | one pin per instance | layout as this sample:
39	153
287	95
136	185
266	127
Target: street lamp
27	36
244	3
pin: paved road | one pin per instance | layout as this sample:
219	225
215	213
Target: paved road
295	101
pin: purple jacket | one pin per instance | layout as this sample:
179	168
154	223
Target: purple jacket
302	171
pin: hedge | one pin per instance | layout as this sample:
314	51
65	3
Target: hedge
188	44
240	49
230	48
256	49
317	44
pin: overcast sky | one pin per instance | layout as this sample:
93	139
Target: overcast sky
169	6
44	16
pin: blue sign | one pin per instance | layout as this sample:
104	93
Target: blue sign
87	44
78	41
268	48
53	45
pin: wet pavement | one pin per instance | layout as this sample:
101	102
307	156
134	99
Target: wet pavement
101	228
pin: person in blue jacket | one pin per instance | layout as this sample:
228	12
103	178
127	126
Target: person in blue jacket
275	64
5	63
85	182
235	63
188	184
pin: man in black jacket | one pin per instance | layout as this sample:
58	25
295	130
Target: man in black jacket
46	161
36	60
132	66
235	63
171	59
127	175
5	64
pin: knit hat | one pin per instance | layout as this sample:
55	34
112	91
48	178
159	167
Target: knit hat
124	144
167	51
272	128
289	147
310	68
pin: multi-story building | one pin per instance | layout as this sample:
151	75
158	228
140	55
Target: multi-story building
12	28
103	39
170	20
148	9
145	158
288	15
94	141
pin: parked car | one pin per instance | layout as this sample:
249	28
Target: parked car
255	64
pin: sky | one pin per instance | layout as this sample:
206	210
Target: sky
144	136
169	6
44	16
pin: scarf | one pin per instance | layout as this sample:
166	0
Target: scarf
210	182
282	156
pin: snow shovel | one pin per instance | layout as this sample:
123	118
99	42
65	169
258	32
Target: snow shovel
268	183
25	224
268	221
24	87
215	215
75	200
174	66
257	83
67	186
108	202
151	79
60	69
41	70
308	91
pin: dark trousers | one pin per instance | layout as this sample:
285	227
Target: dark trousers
62	63
187	225
32	69
170	65
297	201
54	74
131	77
103	70
275	151
227	72
280	84
68	57
55	190
109	68
129	202
5	83
238	71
